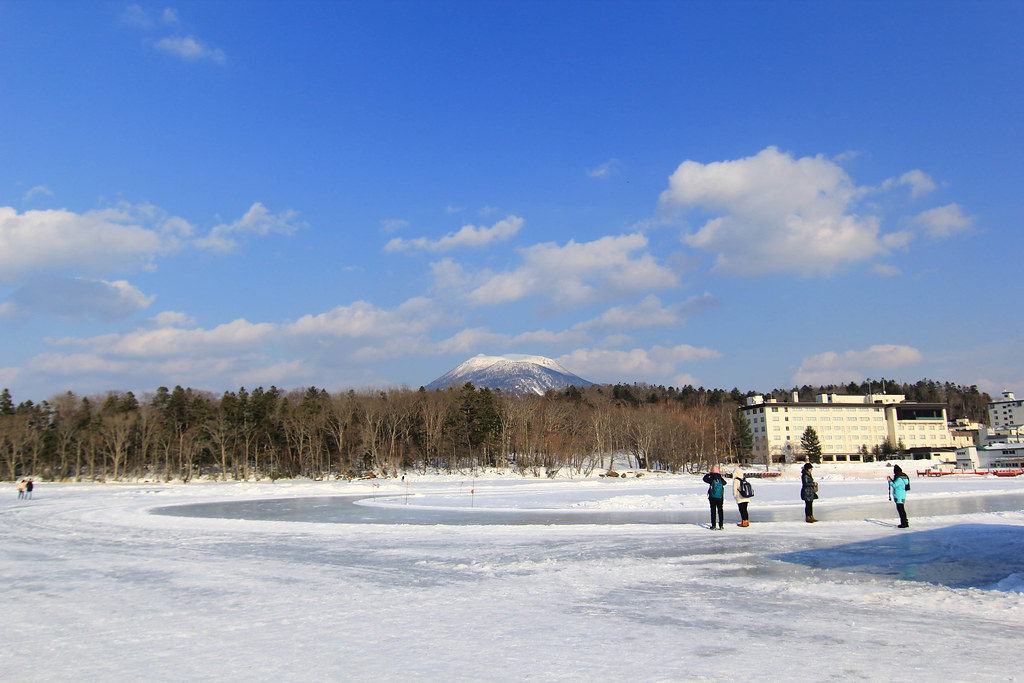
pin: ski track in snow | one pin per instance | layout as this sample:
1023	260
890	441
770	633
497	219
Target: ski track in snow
97	588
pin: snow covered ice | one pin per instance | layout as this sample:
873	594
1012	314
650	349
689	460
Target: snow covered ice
512	579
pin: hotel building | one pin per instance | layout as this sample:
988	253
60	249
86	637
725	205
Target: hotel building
844	425
1006	417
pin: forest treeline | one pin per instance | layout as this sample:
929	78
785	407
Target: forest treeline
179	434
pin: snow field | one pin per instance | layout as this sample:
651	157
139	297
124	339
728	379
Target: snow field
97	588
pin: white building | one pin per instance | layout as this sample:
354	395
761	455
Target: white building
844	425
994	457
1006	417
966	433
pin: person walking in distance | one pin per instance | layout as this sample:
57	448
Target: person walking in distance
808	491
716	496
742	491
898	485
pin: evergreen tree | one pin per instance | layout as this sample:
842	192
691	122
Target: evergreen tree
742	439
811	445
6	403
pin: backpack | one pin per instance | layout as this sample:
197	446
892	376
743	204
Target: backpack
906	486
746	490
716	489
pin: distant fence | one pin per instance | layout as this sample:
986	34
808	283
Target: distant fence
998	473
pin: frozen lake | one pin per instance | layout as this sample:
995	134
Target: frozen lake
508	579
964	556
400	509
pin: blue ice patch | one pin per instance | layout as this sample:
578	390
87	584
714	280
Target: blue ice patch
988	556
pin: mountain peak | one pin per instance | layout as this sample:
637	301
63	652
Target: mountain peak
514	373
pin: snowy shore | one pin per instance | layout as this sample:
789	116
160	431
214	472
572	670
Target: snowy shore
97	587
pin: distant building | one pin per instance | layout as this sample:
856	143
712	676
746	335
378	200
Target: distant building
994	457
966	433
845	425
1005	418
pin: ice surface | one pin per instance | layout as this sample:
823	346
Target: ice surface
98	588
960	556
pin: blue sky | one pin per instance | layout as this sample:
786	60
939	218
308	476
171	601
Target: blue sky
354	194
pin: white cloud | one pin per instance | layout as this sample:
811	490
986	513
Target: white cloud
390	348
10	311
170	17
190	49
172	319
467	236
449	276
78	298
943	221
137	16
363	319
777	214
256	221
123	237
282	373
534	338
851	366
390	225
54	240
471	341
605	170
8	376
652	365
38	190
142	373
186	47
684	379
898	240
170	349
886	270
919	182
577	272
648	313
227	339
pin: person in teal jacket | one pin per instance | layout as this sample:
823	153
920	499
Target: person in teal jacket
898	492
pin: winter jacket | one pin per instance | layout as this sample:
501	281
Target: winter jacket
711	477
737	477
898	487
807	491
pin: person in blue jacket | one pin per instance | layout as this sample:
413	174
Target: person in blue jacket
898	491
716	495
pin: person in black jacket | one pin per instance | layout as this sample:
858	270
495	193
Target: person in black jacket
716	496
808	491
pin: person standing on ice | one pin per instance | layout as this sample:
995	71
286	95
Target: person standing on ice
716	495
898	483
738	480
808	491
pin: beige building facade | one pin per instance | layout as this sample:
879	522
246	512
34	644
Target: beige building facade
844	425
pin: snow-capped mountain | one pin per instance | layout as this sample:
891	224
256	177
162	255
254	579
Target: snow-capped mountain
513	374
